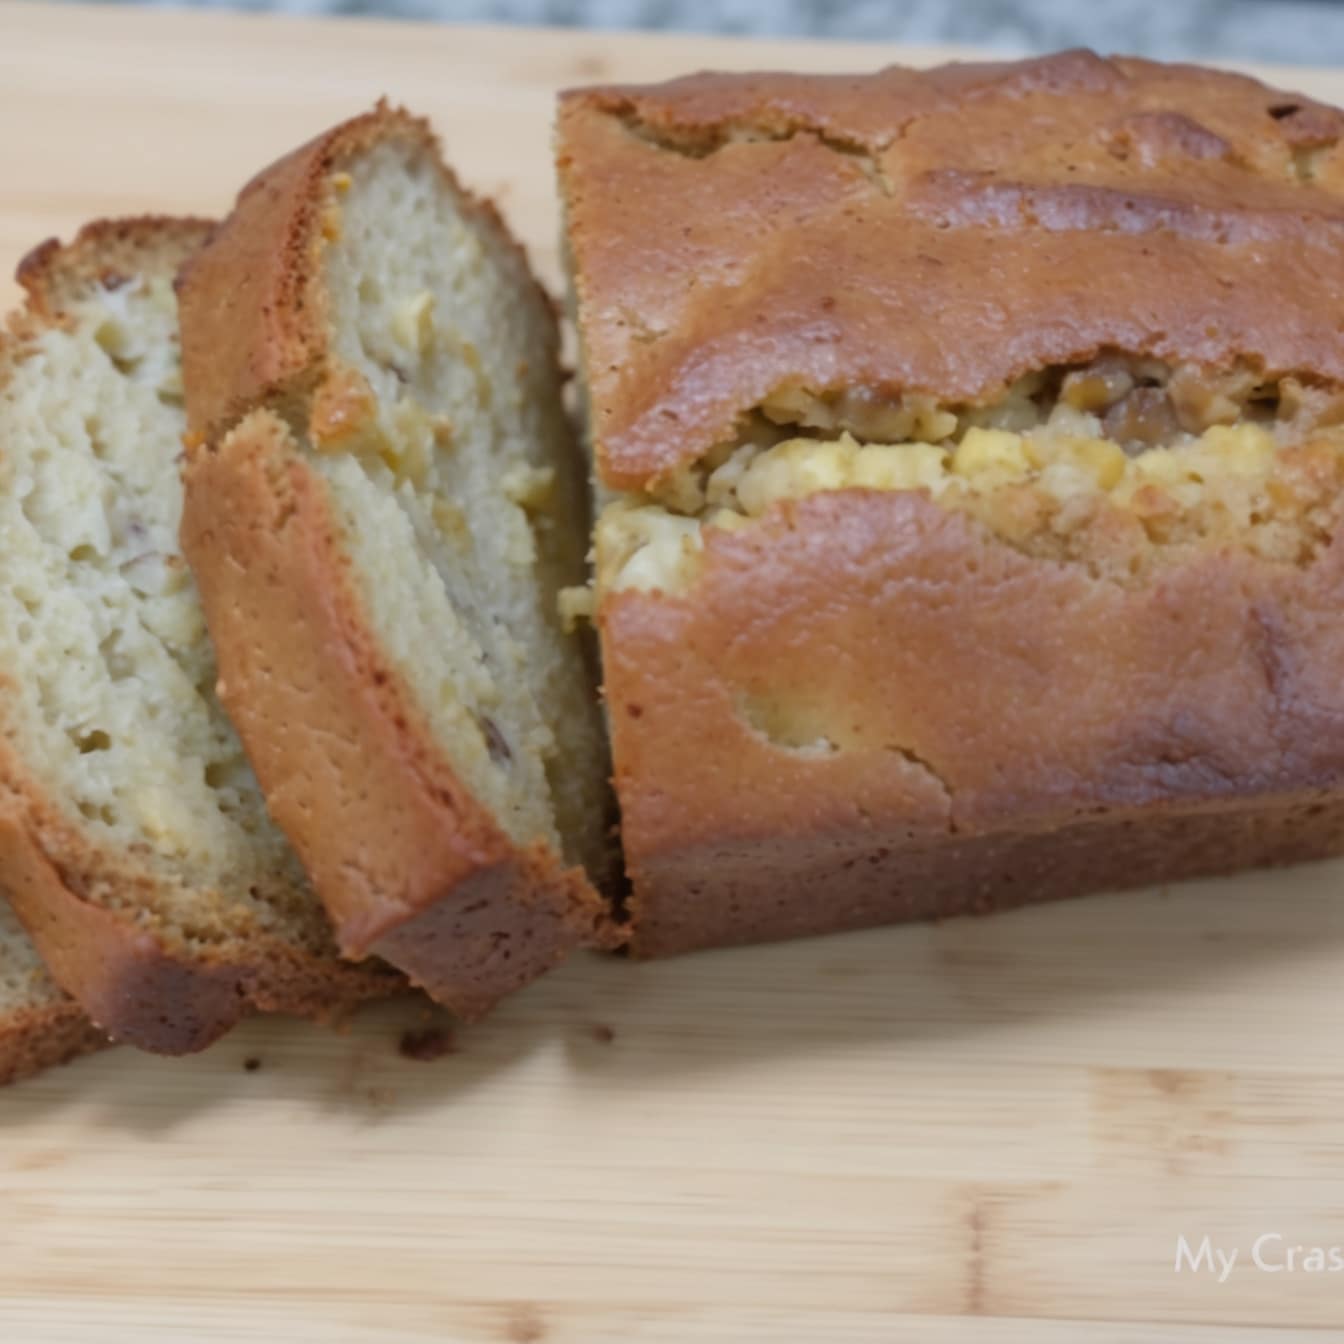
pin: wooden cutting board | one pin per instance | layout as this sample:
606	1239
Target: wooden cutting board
987	1130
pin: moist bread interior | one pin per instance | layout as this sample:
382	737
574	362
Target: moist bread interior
111	703
452	471
1120	465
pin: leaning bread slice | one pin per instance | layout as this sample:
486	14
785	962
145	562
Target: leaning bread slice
134	843
383	501
40	1025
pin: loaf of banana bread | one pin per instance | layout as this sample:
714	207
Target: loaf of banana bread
972	444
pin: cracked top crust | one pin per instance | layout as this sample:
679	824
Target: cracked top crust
941	232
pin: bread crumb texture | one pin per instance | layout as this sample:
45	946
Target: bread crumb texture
25	986
454	477
110	704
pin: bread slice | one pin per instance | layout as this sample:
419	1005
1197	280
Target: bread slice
40	1025
134	842
383	500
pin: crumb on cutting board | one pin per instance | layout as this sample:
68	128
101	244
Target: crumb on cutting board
426	1044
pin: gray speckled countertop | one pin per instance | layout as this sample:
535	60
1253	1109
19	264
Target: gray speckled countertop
1306	31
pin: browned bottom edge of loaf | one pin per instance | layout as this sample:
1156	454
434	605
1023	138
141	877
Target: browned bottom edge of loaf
498	930
795	886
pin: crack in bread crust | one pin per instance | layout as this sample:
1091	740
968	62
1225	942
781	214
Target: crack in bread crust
781	265
702	142
1122	465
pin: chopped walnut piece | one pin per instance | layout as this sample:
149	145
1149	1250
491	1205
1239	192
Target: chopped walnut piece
1097	387
1201	399
1142	419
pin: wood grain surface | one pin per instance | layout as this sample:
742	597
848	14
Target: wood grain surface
989	1130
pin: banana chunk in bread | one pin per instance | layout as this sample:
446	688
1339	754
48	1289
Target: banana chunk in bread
134	842
383	502
40	1025
973	443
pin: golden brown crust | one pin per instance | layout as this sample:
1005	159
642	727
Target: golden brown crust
942	232
105	252
994	719
254	311
137	983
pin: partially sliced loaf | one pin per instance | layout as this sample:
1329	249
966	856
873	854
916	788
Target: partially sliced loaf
134	842
40	1025
383	499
